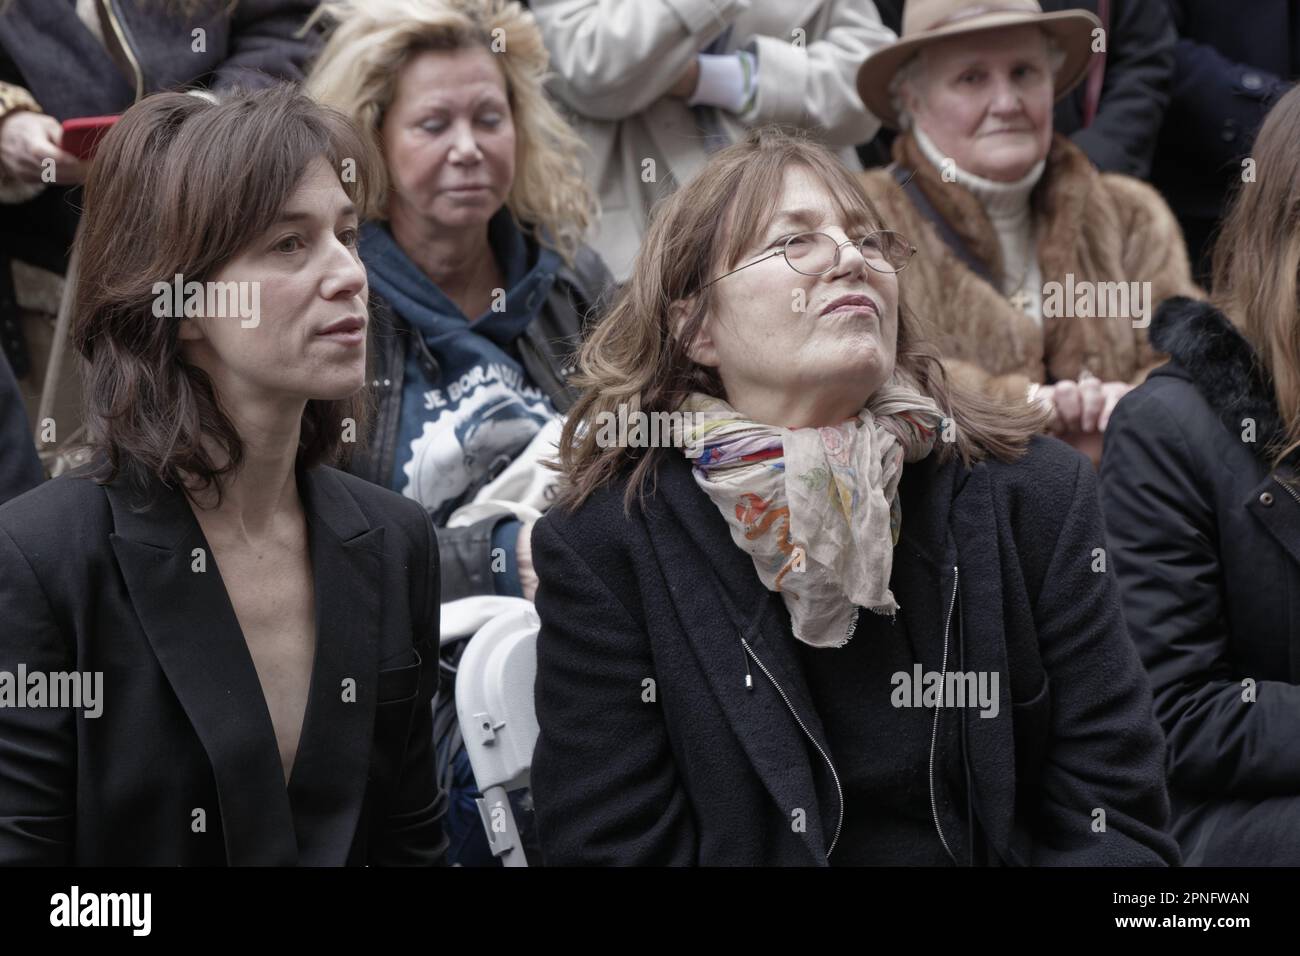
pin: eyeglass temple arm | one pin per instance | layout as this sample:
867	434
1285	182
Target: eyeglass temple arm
770	255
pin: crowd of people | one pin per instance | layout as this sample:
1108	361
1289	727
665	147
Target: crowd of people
981	318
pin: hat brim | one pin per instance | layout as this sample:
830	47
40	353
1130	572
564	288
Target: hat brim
1072	29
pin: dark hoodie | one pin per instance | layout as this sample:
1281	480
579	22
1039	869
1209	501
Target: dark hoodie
458	431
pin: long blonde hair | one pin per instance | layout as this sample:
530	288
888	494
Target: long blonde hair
373	40
634	360
1257	262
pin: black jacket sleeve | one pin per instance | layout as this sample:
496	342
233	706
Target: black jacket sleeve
1106	749
604	781
265	46
1218	104
412	834
1162	530
1134	93
466	557
20	468
38	745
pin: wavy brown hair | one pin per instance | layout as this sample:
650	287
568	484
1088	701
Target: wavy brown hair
633	359
182	185
1257	262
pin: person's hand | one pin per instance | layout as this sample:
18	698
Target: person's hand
1047	397
1081	410
1113	392
524	560
686	83
27	139
1067	399
1084	406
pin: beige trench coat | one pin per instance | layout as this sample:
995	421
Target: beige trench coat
614	60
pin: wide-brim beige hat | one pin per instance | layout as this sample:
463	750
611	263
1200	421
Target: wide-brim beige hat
925	21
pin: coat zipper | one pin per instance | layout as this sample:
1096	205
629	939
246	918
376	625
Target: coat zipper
126	48
934	730
1291	491
799	720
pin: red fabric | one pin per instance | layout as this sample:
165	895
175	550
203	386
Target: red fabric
1097	72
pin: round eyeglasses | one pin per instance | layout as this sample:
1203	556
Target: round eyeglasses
816	253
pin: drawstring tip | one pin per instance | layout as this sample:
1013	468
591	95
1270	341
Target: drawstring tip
744	657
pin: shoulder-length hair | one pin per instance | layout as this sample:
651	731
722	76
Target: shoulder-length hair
373	40
181	185
1256	271
633	359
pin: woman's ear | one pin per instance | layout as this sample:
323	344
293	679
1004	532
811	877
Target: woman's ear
701	349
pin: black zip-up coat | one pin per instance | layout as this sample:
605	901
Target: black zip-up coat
1233	61
546	350
653	750
48	50
1206	541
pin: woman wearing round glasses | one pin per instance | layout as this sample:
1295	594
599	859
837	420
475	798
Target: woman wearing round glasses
710	688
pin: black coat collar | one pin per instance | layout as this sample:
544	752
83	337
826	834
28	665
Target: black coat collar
1224	367
725	604
1208	350
191	625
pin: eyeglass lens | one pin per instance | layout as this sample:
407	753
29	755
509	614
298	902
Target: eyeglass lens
813	253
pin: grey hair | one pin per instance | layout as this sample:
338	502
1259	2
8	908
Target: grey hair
914	75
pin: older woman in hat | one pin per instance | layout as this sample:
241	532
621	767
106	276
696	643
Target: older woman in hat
1040	273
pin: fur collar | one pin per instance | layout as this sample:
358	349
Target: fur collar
1058	201
1222	365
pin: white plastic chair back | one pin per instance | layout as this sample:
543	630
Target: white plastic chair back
494	705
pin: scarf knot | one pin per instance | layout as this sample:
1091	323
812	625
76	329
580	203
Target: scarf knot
817	509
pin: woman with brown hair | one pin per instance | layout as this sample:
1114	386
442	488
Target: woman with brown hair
243	639
1202	503
708	689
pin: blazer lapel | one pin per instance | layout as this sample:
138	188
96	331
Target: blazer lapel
332	767
715	619
191	625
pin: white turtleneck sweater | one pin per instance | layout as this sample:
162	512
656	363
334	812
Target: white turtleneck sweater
1007	206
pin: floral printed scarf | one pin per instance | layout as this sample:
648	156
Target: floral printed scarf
816	508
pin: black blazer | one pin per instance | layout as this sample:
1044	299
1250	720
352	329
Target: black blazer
710	772
89	584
